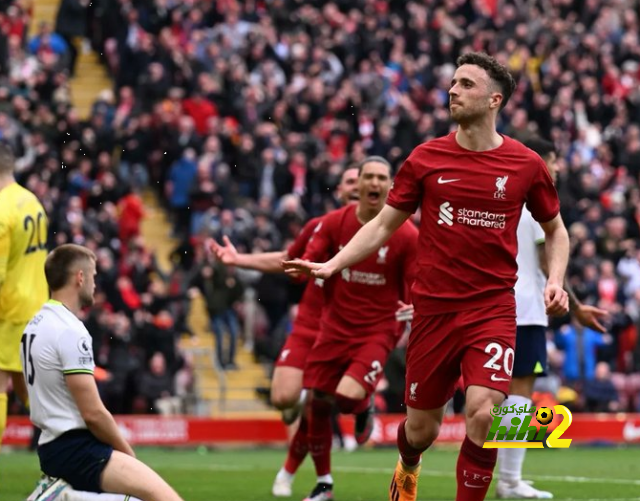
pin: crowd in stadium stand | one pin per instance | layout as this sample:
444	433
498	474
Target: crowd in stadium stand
242	116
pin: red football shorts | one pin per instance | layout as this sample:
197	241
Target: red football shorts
296	349
361	358
477	343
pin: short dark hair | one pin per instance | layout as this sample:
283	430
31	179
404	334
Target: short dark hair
61	261
497	72
374	158
7	158
541	146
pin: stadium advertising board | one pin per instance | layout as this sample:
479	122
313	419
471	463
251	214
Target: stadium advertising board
178	430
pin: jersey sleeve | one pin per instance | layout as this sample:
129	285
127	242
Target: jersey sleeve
297	248
5	245
542	197
319	248
406	190
76	353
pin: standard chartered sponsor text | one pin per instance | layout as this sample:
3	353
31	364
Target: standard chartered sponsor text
485	219
363	277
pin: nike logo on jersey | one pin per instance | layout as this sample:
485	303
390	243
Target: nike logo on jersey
445	181
496	378
467	484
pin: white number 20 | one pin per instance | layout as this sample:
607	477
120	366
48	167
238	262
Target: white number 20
495	350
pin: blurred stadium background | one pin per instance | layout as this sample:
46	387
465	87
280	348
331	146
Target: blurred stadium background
146	126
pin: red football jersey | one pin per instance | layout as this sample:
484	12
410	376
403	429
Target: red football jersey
470	207
363	298
312	301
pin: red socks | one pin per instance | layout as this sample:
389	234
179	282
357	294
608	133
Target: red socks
299	447
320	435
348	405
474	471
410	456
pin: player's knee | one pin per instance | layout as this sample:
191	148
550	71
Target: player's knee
421	434
351	388
479	419
284	398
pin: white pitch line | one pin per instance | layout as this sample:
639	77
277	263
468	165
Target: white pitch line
430	473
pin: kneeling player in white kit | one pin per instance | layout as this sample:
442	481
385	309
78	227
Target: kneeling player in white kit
81	450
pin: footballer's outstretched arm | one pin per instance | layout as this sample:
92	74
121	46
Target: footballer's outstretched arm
266	262
557	252
95	415
370	238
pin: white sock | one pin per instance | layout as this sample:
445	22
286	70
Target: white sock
73	495
510	460
285	475
325	479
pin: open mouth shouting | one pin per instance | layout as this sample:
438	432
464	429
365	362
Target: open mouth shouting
373	196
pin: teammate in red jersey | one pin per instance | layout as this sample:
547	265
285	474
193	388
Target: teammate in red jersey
471	186
286	386
358	321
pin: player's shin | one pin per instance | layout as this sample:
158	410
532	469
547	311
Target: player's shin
474	471
320	434
296	452
510	460
409	455
298	448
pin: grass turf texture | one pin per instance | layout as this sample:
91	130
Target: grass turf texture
247	475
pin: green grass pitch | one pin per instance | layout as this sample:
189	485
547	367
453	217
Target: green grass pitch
246	475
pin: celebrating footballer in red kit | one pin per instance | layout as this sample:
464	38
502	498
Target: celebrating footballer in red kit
358	328
361	304
471	186
475	206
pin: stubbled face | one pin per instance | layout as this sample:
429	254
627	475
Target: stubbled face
347	190
374	184
472	94
87	285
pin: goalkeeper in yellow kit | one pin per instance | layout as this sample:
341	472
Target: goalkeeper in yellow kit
23	286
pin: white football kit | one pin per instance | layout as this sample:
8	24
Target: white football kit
55	343
530	309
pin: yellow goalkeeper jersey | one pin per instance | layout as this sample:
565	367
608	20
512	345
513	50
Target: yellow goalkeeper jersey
23	250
